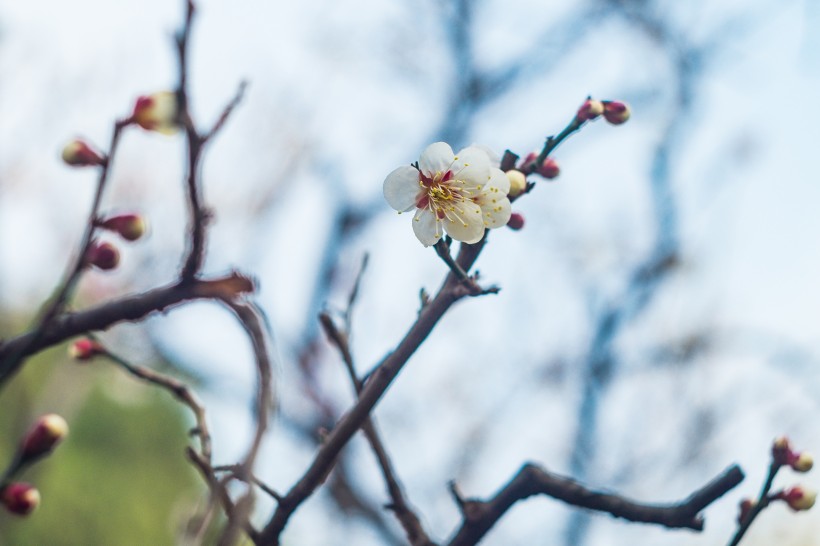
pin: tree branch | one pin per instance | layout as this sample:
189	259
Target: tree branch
480	516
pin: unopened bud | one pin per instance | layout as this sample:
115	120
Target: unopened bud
85	349
79	154
528	163
158	112
47	432
798	498
616	112
781	451
803	463
103	256
516	221
20	498
591	109
746	506
549	168
128	226
518	183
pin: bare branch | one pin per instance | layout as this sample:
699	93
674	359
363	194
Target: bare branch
480	516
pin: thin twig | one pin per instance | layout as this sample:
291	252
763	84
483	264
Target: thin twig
401	508
176	388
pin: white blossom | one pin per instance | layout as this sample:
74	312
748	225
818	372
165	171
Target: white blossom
461	194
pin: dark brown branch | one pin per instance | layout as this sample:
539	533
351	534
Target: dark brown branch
199	214
451	291
480	516
130	308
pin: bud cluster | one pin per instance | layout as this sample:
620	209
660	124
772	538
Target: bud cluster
42	438
614	112
783	454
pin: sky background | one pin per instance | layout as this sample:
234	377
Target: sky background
710	360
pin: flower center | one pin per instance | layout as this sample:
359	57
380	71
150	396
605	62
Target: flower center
443	194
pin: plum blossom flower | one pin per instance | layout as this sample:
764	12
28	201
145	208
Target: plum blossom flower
461	194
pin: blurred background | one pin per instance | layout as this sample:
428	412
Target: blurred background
658	318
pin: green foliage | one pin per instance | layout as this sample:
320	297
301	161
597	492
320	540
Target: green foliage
121	477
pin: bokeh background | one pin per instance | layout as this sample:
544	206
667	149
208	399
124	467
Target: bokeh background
658	318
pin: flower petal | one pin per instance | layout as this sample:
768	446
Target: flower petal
471	164
499	181
437	157
495	205
401	188
464	222
496	214
426	227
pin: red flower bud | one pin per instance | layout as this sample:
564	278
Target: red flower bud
528	162
43	437
746	506
781	451
590	110
549	168
20	498
85	349
79	154
516	221
158	112
616	112
128	226
798	498
103	256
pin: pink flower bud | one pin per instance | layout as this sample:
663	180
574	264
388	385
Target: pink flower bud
783	454
746	506
20	498
549	168
103	256
798	498
516	221
43	437
590	110
518	183
128	226
782	451
616	112
85	349
158	112
529	162
79	154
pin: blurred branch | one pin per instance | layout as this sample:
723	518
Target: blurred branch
199	214
404	512
480	516
250	319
